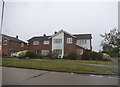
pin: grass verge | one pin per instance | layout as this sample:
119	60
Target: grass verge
57	65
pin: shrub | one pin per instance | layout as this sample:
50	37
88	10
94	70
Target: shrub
85	56
72	56
54	55
92	56
65	56
31	54
79	56
106	57
28	54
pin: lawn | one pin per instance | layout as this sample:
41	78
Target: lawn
58	65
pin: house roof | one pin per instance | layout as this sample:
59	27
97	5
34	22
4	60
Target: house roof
12	38
39	38
83	36
78	36
62	31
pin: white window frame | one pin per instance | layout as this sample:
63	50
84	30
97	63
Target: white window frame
46	42
44	52
58	51
69	41
36	42
22	44
83	41
58	41
5	42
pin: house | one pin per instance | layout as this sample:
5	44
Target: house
41	44
11	45
60	42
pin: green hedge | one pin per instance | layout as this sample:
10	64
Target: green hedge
92	56
30	54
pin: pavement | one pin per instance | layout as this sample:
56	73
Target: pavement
18	76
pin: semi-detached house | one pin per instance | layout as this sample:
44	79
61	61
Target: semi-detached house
60	42
12	45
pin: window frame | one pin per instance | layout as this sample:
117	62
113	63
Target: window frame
46	42
22	44
57	41
44	52
5	42
69	40
36	42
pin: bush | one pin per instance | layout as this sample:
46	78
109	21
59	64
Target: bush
31	54
106	57
53	55
92	56
72	56
65	56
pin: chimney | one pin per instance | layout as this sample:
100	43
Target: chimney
55	32
17	36
44	35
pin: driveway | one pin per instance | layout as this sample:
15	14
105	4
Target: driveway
18	76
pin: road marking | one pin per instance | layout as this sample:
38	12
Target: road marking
96	76
92	75
110	77
99	76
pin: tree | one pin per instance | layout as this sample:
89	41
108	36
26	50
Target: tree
111	38
111	42
107	49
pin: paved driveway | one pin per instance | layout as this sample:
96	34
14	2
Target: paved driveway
17	76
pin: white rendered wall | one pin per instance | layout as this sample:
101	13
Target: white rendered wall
87	45
58	45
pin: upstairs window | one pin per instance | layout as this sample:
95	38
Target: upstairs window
46	42
69	40
4	42
83	41
35	42
57	40
22	44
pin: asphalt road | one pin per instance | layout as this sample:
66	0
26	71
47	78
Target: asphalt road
17	76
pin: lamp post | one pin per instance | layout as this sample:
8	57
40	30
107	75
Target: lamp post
1	26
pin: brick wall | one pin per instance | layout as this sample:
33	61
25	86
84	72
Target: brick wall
69	47
39	47
11	44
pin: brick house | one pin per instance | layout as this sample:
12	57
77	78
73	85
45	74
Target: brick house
60	42
11	45
40	44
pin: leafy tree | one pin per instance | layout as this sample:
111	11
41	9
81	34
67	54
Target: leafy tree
111	42
111	38
107	48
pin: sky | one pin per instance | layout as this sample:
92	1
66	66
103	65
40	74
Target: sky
28	19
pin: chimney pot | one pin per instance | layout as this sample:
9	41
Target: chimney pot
55	32
44	35
17	36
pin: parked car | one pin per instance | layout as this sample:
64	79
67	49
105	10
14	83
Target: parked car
17	54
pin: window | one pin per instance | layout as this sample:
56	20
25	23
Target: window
22	44
83	41
44	52
46	42
57	40
35	42
69	40
58	51
4	42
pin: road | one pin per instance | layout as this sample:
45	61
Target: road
17	76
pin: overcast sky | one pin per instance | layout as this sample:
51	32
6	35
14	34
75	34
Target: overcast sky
28	19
